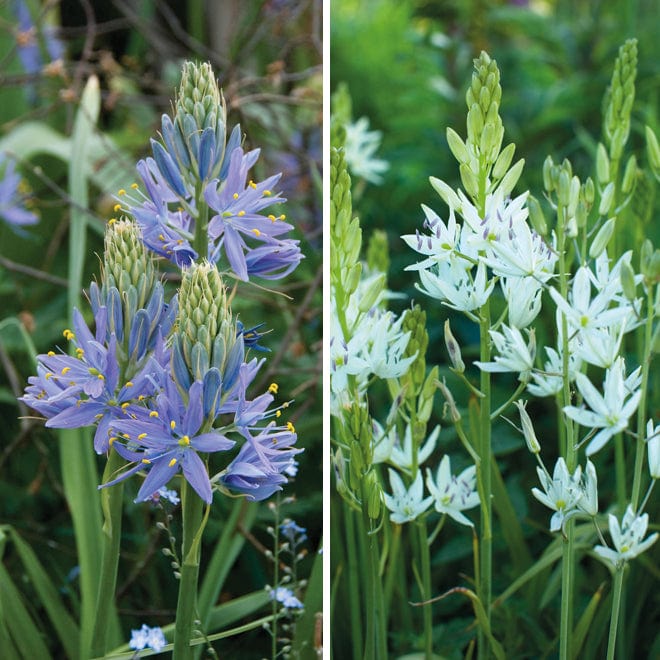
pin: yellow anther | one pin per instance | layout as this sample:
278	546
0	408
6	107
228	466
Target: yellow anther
111	441
112	221
142	436
272	218
161	237
285	404
256	232
172	463
66	370
278	413
235	195
273	387
141	397
186	440
68	334
146	461
129	383
121	192
282	217
101	377
134	186
80	352
290	427
125	405
116	208
173	425
252	184
153	413
267	193
240	214
48	375
51	353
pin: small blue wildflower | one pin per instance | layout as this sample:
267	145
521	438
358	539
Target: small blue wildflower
167	441
252	336
12	201
286	597
293	532
26	38
166	494
147	638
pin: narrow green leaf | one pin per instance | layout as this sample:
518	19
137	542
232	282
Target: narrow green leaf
584	624
19	624
64	625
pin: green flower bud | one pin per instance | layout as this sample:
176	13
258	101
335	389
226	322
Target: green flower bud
510	179
469	180
357	465
372	292
549	182
602	238
653	151
126	262
620	97
536	216
627	276
426	396
414	322
589	192
378	252
606	199
475	124
581	214
353	278
198	92
374	496
574	197
450	408
629	176
528	428
564	188
503	161
447	193
602	165
457	146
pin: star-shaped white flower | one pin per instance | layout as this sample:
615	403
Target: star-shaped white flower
453	494
561	492
406	504
514	354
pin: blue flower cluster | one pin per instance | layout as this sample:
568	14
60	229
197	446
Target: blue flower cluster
12	199
199	203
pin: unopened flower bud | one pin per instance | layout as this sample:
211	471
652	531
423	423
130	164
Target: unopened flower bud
527	427
447	193
457	146
581	214
475	124
602	238
503	161
548	174
454	350
469	181
606	199
510	179
378	252
653	151
374	496
564	188
627	276
372	292
602	165
536	216
589	192
629	176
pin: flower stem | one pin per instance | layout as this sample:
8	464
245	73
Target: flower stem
276	577
616	604
425	557
353	581
193	525
485	472
111	502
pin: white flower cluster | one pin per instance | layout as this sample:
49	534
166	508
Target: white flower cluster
360	147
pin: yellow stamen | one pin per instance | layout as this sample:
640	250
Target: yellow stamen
273	387
235	195
272	218
282	217
134	186
173	425
146	461
80	352
129	383
256	232
51	353
252	184
278	413
68	334
240	214
112	221
66	370
172	463
111	441
153	413
267	193
121	192
125	405
116	208
290	427
142	436
49	375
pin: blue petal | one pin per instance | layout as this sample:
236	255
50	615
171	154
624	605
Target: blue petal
207	149
195	472
168	169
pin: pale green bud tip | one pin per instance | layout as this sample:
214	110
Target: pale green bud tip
450	404
628	280
536	216
453	349
527	427
653	150
199	94
629	176
602	238
607	199
457	146
125	256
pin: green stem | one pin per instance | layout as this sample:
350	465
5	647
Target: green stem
567	578
641	410
111	502
193	524
620	471
614	620
201	239
485	474
276	578
425	556
392	562
355	614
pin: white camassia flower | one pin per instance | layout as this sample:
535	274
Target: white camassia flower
442	242
360	147
627	538
523	297
588	501
561	493
406	504
514	354
600	346
402	456
611	410
550	382
453	494
454	283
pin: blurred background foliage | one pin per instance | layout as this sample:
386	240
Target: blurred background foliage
267	55
407	65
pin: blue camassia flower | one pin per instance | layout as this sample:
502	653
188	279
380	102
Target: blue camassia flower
82	390
167	441
259	468
12	202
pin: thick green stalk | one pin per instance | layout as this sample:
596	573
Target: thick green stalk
616	603
111	502
641	410
570	453
276	579
425	556
193	524
485	475
353	581
201	238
